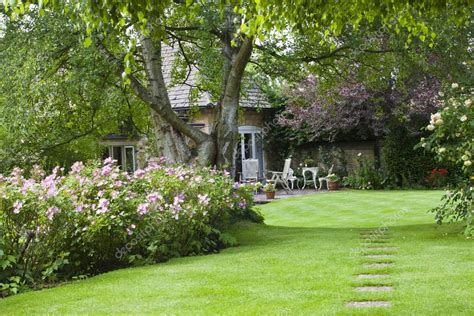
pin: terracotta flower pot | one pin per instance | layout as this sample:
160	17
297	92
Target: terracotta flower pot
270	195
333	186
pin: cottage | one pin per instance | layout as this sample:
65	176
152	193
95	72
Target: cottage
254	105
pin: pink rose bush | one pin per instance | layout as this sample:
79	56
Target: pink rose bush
97	218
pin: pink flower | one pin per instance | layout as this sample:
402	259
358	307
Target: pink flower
103	206
178	199
109	161
226	173
118	183
49	183
77	167
140	173
106	170
27	185
52	211
152	165
203	199
17	207
16	175
80	208
114	194
153	197
198	179
142	209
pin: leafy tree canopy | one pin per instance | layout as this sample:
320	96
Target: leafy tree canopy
57	98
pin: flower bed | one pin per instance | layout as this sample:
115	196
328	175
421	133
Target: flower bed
97	218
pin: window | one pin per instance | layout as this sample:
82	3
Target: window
125	157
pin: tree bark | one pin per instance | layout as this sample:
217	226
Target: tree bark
227	120
169	143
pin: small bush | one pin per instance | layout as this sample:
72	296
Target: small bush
97	218
366	176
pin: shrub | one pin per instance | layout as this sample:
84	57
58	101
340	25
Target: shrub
405	165
451	139
97	218
365	175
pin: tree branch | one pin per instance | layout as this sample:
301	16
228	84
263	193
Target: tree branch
139	89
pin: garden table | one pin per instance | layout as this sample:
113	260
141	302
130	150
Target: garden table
314	173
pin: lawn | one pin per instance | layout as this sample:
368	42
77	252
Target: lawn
304	261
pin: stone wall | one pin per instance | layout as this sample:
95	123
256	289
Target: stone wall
342	154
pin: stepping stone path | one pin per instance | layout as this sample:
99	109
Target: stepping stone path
376	246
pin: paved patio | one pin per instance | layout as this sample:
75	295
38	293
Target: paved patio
261	198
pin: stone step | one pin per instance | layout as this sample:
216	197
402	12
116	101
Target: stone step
370	288
378	265
372	276
378	256
378	247
365	304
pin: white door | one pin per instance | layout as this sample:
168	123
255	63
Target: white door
251	145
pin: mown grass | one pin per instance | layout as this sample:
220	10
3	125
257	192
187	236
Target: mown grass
304	261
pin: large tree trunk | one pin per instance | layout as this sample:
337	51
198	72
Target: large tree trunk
169	143
235	62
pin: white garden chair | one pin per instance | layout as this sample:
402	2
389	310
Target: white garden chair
249	171
292	178
282	177
325	179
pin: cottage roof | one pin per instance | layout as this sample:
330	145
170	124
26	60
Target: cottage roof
179	94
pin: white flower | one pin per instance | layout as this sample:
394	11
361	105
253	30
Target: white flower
463	118
465	157
430	127
454	86
441	94
435	116
441	150
423	145
359	154
436	119
468	102
467	163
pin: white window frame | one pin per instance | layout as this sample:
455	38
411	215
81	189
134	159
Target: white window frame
124	155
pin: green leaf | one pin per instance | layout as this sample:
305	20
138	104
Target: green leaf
88	42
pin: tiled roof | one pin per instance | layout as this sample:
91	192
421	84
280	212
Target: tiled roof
179	94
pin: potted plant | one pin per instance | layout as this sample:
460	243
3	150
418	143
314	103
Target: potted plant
270	190
333	181
258	186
